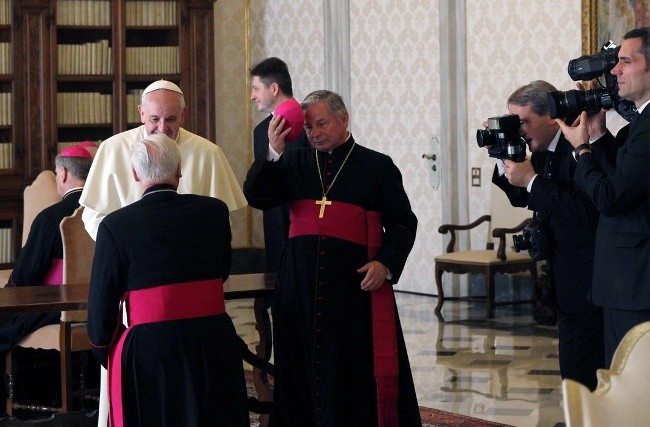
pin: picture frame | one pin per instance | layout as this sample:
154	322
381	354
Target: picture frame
604	20
589	26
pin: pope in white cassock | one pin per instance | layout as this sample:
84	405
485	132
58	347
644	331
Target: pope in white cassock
110	184
205	169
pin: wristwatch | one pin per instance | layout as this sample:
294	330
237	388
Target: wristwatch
579	148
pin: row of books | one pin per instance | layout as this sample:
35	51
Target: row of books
73	108
151	13
152	60
6	108
84	108
98	59
98	13
88	58
5	58
83	12
6	246
6	152
6	155
5	12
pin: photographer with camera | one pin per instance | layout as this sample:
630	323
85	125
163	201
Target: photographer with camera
622	197
566	220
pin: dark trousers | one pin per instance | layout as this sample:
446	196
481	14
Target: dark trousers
617	324
581	346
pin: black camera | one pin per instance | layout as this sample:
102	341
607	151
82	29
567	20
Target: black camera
533	238
502	138
568	105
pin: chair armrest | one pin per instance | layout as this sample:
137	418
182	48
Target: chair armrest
254	360
452	228
500	233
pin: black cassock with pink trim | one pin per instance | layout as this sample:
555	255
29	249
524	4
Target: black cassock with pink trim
180	359
323	322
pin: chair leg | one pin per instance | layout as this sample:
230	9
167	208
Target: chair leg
10	386
83	362
533	282
441	294
489	288
264	350
66	369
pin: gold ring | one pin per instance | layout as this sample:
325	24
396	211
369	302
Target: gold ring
276	132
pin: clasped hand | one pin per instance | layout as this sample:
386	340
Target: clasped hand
519	174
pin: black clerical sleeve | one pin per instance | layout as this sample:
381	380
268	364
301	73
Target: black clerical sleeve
105	293
36	256
264	186
399	221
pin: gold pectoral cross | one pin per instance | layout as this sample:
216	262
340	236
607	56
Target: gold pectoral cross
322	202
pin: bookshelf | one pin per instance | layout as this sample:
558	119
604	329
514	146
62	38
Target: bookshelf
74	70
8	224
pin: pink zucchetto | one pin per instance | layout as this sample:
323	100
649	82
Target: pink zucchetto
84	150
291	112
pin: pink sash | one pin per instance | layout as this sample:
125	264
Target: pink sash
54	275
166	302
354	224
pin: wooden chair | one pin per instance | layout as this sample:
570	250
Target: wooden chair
39	195
487	262
70	335
252	260
621	397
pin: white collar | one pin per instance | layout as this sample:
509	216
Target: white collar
72	190
553	145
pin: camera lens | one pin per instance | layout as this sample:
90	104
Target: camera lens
557	104
590	67
572	102
483	138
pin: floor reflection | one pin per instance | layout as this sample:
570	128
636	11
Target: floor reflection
504	369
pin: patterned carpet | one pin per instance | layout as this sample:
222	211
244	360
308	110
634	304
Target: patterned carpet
435	418
438	418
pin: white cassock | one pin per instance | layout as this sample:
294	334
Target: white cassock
110	185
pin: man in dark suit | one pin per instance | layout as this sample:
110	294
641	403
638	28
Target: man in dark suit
622	197
545	185
271	86
164	258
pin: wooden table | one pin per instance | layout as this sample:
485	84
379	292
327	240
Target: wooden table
39	299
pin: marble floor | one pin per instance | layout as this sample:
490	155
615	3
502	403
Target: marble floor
503	370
